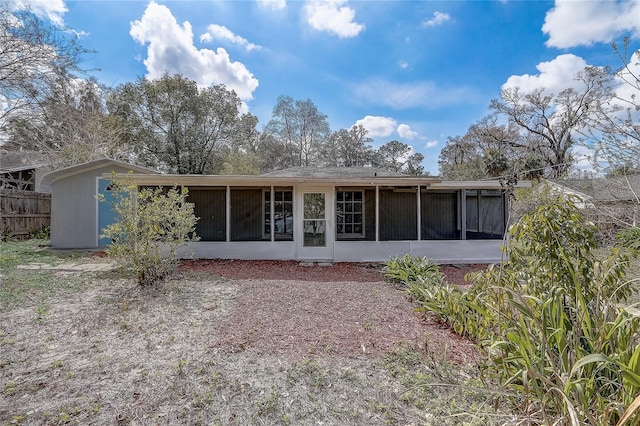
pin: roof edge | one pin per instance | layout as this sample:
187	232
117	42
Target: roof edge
55	175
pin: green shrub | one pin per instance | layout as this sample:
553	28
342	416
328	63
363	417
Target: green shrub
630	238
550	321
154	223
407	269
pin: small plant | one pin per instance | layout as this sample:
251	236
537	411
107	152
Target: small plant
630	238
408	269
153	225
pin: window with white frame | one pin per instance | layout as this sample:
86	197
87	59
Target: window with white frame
282	214
350	214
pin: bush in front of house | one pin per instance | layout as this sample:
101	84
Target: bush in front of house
153	224
550	321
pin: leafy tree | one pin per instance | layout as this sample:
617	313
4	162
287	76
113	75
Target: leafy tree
154	223
399	157
348	148
35	59
300	129
173	125
461	159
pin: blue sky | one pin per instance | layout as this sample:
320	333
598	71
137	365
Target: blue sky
417	72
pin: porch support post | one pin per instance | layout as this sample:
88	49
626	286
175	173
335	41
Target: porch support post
272	211
377	213
463	214
419	220
228	221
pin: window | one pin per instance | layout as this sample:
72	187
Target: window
349	214
282	214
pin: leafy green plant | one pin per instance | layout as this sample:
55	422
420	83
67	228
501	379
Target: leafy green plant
408	269
630	238
154	223
551	322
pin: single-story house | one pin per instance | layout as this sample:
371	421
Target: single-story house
307	214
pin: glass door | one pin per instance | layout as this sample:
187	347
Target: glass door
315	223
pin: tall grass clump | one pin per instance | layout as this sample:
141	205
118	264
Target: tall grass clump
551	322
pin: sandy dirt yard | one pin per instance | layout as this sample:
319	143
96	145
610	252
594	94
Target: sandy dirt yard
226	342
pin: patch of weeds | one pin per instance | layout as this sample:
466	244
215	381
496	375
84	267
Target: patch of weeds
14	253
42	310
349	374
17	419
268	404
66	415
9	388
439	388
203	400
308	372
180	366
57	364
385	411
20	286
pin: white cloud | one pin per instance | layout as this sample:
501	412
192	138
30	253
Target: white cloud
220	32
575	23
404	130
431	144
377	126
409	95
53	10
171	50
439	18
272	4
331	16
555	75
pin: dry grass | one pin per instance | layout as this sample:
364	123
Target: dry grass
93	348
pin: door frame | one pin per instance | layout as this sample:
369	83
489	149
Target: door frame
314	253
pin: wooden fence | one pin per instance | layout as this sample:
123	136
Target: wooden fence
23	212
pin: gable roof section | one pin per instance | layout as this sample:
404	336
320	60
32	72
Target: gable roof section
51	177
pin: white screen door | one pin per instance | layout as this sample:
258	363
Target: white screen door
315	219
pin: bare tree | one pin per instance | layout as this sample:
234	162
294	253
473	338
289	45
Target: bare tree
548	123
69	127
614	130
36	58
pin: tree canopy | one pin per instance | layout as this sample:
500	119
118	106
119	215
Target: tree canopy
173	125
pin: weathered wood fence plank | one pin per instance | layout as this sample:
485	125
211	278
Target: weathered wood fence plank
23	212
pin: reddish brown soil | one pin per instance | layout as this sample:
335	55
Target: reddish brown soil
342	309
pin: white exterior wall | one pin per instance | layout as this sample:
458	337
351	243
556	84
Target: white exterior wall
74	209
449	252
242	250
